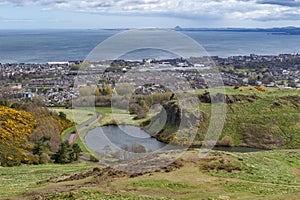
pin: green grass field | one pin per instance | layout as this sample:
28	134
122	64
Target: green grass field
77	115
269	175
118	115
17	180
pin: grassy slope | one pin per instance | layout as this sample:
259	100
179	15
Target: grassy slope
17	180
263	175
283	120
121	116
79	116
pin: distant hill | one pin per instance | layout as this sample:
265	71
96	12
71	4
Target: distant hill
284	30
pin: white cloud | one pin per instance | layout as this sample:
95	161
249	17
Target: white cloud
259	10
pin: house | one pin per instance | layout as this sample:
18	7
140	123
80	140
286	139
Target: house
28	95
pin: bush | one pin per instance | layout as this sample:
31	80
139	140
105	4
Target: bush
142	114
227	141
93	158
137	148
259	88
44	159
15	129
32	159
62	116
40	147
67	153
115	154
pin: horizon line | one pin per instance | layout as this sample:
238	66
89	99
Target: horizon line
163	28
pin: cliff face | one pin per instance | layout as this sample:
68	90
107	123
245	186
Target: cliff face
174	124
229	99
174	114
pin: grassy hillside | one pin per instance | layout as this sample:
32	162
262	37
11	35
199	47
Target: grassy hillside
15	130
49	124
220	175
22	128
269	119
263	118
17	180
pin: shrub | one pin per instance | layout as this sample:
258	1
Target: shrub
226	141
40	147
137	148
259	88
142	114
93	158
15	129
44	159
66	153
115	154
32	159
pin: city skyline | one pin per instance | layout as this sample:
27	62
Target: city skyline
41	14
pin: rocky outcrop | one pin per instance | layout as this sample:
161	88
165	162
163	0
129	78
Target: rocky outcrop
171	119
229	99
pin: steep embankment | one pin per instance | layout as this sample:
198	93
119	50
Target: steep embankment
15	129
256	117
21	129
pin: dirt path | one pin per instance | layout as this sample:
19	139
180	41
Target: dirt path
71	137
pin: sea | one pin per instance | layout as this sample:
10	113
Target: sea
42	46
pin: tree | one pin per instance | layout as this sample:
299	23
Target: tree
62	115
124	89
291	83
85	91
67	153
77	151
3	103
251	81
104	90
40	147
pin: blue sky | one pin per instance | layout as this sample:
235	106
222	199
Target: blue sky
36	14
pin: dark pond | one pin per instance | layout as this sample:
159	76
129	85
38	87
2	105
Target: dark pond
110	138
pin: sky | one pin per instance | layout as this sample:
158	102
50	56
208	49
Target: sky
67	14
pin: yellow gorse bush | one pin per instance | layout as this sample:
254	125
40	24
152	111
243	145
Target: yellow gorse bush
15	127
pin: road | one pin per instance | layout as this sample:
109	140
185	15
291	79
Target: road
71	137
